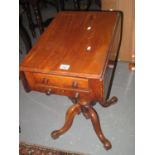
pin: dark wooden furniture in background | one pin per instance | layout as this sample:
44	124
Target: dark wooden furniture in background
72	58
33	6
77	5
23	35
26	6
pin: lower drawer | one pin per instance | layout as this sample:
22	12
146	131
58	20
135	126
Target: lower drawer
49	90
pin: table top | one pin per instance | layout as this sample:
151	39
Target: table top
74	44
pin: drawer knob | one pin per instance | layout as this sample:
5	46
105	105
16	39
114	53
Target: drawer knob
49	91
75	98
74	84
45	80
77	95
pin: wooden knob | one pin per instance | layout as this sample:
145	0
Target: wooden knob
77	95
49	91
74	84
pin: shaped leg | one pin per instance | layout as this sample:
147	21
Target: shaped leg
72	111
96	124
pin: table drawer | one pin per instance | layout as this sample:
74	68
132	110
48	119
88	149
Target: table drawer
49	90
61	81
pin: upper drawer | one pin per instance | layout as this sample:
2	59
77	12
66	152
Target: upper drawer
60	81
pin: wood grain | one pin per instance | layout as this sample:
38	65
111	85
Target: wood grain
68	41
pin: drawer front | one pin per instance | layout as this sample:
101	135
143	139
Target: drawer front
49	90
60	81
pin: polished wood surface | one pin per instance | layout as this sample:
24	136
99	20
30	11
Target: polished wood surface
82	44
72	58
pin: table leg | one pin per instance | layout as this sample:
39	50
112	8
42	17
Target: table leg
89	113
24	81
72	111
96	124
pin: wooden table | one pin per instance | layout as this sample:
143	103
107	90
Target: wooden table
76	57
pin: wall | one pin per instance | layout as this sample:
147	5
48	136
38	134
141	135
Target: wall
127	50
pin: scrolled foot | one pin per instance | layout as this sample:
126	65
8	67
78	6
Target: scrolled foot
109	102
113	100
72	111
55	134
107	144
96	124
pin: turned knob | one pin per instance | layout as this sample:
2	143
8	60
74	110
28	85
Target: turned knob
49	91
74	84
77	95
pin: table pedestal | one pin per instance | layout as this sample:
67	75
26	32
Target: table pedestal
89	113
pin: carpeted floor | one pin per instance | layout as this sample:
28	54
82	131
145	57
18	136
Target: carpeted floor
28	149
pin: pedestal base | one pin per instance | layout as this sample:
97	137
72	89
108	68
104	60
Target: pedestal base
90	113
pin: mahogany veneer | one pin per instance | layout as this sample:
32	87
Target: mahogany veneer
76	57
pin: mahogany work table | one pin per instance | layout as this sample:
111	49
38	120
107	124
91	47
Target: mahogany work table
76	56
